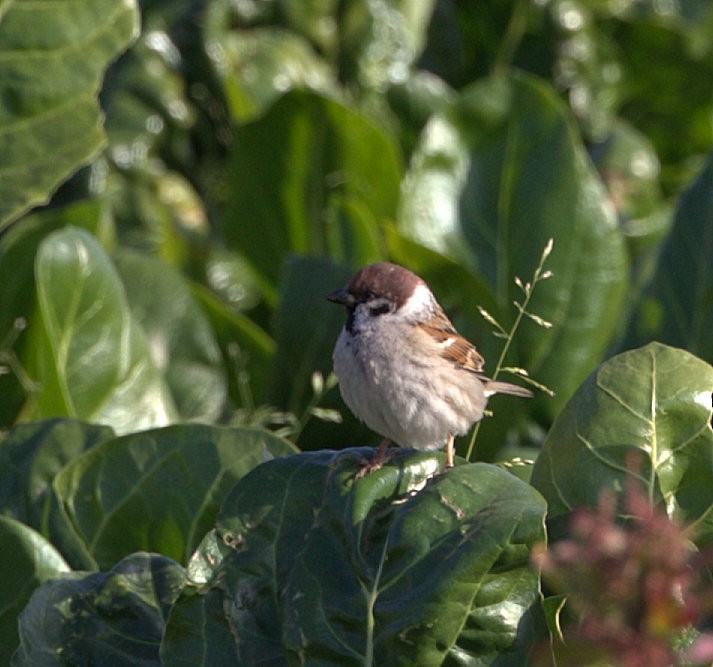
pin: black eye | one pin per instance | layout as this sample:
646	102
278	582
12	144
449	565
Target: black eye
379	306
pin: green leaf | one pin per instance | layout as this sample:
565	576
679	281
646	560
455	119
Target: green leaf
104	618
90	355
158	490
258	66
673	121
18	249
646	412
32	454
498	174
26	560
682	289
242	341
197	632
310	176
398	568
306	328
52	58
380	40
180	339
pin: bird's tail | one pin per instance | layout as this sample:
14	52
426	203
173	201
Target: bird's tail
497	387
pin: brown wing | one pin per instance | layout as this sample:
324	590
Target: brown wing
463	353
452	345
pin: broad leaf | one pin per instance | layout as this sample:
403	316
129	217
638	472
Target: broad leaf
52	58
310	176
399	567
18	248
495	176
26	560
103	618
645	413
32	454
197	632
180	339
157	490
91	357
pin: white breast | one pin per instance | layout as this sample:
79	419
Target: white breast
412	399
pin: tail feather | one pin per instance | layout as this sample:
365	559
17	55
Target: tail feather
497	387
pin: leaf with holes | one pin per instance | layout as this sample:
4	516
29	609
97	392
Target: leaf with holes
400	567
101	618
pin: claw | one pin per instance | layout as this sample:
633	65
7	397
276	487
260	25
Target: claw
381	456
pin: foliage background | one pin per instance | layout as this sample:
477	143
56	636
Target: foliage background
172	218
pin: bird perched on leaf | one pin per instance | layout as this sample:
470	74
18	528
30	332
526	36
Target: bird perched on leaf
403	369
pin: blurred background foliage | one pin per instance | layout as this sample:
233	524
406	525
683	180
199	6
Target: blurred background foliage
256	152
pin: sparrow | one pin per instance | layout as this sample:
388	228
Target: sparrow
402	367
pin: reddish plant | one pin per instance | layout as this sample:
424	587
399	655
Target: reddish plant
633	585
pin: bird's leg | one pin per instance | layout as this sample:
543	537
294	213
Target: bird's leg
381	456
450	451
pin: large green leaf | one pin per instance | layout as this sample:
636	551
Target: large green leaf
90	356
496	175
180	339
103	618
197	632
157	490
646	413
26	560
18	248
52	58
30	457
397	568
681	295
310	176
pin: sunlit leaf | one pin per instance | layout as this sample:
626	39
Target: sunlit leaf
180	339
647	413
52	58
91	357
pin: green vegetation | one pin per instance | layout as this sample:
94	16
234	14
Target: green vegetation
176	466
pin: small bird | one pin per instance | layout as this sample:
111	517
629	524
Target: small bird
402	367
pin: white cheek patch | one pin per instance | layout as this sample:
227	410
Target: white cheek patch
419	304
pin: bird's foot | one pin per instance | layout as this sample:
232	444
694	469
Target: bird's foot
381	456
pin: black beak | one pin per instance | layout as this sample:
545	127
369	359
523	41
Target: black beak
342	296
